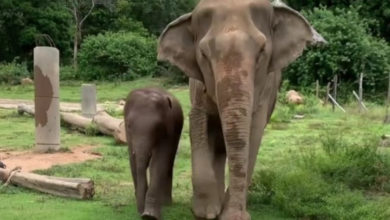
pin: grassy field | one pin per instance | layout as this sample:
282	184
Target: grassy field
306	168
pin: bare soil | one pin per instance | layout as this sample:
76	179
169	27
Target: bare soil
30	161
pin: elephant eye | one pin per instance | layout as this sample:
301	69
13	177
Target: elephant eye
262	49
261	53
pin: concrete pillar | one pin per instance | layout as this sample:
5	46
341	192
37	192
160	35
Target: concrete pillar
88	100
47	105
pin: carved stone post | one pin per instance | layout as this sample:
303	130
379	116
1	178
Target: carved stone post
47	114
88	100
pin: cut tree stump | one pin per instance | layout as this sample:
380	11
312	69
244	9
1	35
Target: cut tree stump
77	188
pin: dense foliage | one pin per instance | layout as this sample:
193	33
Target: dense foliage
23	22
377	10
155	14
122	55
11	73
357	31
351	50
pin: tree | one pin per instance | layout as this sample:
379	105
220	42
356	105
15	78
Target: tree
377	10
156	14
351	50
76	7
21	21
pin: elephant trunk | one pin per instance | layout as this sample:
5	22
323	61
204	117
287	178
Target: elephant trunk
235	102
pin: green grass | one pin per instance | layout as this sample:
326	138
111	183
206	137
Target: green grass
280	177
70	91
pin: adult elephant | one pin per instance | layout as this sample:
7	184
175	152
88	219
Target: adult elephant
234	52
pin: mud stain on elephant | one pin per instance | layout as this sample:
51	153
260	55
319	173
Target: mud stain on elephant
230	91
234	105
43	96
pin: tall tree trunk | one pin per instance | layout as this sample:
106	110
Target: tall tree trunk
75	48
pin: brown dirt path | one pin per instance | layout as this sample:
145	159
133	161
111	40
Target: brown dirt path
30	161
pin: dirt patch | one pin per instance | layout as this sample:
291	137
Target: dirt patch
30	161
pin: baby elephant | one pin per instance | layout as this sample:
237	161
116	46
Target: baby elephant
153	120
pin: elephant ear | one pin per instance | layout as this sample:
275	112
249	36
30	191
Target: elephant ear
291	34
176	45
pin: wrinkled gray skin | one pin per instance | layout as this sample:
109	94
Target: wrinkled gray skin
234	52
153	121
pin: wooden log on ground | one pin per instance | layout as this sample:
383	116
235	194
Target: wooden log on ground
120	133
76	188
104	122
23	108
110	126
76	121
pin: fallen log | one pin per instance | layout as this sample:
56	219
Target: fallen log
77	188
105	123
120	134
76	121
23	108
110	126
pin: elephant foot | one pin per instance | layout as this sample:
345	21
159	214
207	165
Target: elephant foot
150	215
234	214
206	208
151	212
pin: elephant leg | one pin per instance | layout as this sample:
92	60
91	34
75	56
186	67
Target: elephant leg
259	121
217	141
133	168
160	178
206	200
167	184
141	181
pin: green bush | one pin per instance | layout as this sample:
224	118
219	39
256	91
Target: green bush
329	182
377	10
123	56
68	73
300	193
12	73
350	50
359	166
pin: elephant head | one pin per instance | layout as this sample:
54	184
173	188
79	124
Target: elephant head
232	47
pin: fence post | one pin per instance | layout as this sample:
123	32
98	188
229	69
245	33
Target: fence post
317	89
47	105
335	79
387	118
361	92
88	100
327	94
